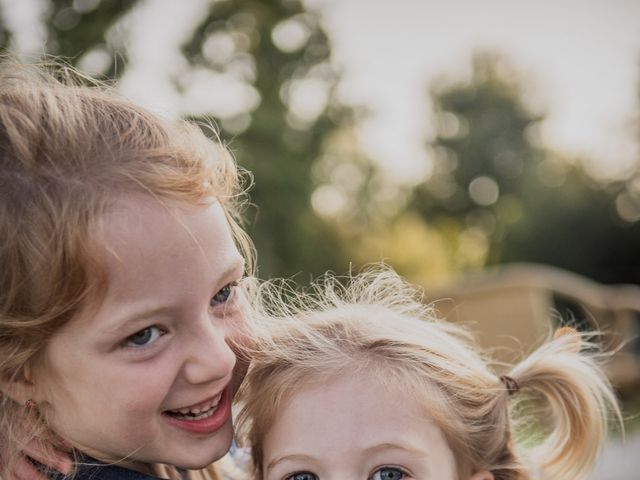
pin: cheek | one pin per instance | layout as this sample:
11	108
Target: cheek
132	393
113	415
239	320
137	391
241	342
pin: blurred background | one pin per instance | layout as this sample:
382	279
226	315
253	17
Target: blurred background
489	151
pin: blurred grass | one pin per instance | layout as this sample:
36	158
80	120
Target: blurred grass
631	415
532	420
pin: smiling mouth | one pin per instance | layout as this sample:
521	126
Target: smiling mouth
197	412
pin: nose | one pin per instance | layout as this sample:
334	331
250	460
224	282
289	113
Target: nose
209	357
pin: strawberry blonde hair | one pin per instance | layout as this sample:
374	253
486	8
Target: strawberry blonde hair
377	327
68	151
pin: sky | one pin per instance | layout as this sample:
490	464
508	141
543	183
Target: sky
579	59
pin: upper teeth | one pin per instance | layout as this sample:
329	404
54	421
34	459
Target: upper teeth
200	408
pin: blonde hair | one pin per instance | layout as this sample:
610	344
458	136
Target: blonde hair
377	326
67	152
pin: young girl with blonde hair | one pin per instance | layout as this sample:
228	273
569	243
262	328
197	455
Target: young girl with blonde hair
364	382
120	296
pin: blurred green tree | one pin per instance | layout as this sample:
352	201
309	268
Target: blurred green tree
75	28
286	54
5	34
509	197
278	52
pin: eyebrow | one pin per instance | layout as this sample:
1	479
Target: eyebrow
395	446
237	265
369	450
116	327
293	456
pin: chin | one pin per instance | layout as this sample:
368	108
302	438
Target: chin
205	454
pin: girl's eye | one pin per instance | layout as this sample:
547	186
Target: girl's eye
144	337
388	473
302	476
223	295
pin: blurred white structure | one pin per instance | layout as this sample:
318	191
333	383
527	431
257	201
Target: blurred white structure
513	308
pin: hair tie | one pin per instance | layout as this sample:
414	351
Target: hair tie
30	404
510	383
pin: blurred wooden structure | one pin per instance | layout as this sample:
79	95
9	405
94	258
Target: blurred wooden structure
515	307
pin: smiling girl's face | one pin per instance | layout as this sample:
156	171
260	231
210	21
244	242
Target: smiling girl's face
356	428
146	375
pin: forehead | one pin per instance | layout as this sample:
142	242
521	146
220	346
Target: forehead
139	227
138	218
358	412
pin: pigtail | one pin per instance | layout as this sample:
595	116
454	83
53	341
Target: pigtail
565	374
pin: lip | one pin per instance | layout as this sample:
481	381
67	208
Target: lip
200	404
206	425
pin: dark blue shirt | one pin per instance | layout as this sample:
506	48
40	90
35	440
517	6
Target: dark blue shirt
90	469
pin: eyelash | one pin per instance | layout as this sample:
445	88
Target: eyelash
128	341
402	471
295	474
230	296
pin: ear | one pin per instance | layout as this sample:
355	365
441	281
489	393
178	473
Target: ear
484	475
19	386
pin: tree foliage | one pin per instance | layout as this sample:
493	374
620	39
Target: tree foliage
497	194
496	182
279	51
288	51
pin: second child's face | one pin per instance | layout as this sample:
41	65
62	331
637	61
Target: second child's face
355	429
146	377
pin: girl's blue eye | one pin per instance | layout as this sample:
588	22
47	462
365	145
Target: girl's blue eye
388	473
144	337
302	476
223	295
